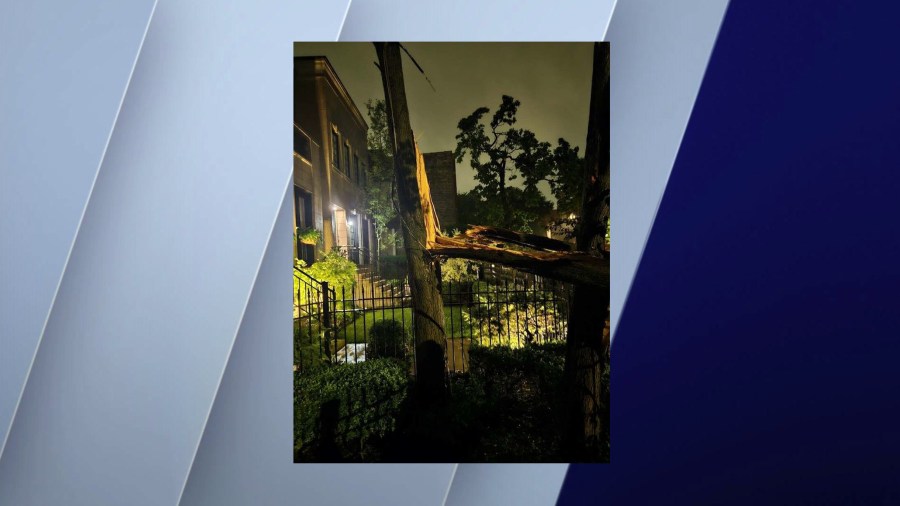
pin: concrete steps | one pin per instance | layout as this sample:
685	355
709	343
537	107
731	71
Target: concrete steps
374	291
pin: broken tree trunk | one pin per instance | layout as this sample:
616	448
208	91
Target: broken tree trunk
570	267
428	309
538	242
587	351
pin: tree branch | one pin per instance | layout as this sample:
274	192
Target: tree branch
510	236
571	267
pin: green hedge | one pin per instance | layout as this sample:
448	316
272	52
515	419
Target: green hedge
510	402
388	339
343	412
519	373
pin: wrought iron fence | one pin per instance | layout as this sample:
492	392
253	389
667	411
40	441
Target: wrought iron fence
313	316
334	324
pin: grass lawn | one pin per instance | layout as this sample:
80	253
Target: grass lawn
358	331
458	335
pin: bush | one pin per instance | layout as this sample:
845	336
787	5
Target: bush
510	316
459	270
519	373
345	411
335	269
388	339
511	400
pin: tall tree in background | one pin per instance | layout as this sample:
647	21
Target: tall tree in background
428	309
567	185
587	349
501	154
379	186
526	206
509	163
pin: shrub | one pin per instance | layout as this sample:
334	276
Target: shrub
459	270
511	317
388	339
336	269
345	411
513	399
518	373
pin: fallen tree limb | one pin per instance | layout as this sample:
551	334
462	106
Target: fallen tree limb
570	267
512	237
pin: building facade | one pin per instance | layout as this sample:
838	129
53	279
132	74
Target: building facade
440	167
329	164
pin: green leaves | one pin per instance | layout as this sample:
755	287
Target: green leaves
483	207
459	270
567	179
334	268
309	235
380	169
388	339
347	409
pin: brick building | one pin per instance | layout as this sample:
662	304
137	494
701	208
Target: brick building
440	167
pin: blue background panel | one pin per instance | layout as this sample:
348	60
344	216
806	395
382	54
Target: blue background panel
756	357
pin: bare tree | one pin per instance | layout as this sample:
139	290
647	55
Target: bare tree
428	309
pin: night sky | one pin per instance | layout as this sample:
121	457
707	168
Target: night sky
552	80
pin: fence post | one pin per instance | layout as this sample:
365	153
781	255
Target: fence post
326	310
326	320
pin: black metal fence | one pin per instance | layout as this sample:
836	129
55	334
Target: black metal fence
490	306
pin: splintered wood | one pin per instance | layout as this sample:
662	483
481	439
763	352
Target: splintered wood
545	256
432	225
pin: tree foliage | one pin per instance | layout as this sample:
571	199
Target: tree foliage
509	163
379	187
567	179
526	205
458	270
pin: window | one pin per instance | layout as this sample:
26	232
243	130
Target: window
335	149
303	218
356	168
347	160
301	144
362	175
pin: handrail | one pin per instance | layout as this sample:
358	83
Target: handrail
298	270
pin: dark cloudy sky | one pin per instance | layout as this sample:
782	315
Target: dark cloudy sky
552	80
